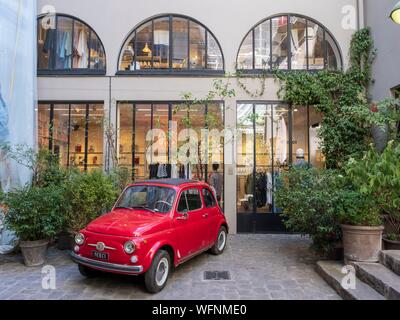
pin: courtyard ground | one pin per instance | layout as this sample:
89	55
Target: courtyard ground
262	267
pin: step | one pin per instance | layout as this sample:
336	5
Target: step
383	280
391	260
331	272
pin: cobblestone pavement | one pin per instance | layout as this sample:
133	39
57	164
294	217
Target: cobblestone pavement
262	267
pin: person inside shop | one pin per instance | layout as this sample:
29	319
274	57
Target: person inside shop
216	181
301	163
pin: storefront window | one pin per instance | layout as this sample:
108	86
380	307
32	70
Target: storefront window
271	139
289	42
189	45
178	143
69	45
75	133
317	159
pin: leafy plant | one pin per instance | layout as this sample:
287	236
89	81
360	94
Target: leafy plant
89	195
312	201
377	176
35	213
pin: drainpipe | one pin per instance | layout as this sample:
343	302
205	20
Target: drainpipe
360	14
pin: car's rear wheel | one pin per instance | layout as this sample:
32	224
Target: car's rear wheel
156	277
87	272
220	245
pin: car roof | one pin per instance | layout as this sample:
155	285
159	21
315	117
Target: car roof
169	182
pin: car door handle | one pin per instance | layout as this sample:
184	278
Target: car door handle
205	215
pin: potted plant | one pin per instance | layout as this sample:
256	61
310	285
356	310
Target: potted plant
362	227
35	214
89	195
378	176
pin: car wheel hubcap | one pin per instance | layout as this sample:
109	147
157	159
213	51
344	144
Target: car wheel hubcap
162	272
221	240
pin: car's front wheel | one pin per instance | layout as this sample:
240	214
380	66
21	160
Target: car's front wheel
220	245
157	276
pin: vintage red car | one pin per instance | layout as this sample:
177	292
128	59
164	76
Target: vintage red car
154	226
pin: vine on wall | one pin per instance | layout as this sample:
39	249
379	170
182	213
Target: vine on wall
342	98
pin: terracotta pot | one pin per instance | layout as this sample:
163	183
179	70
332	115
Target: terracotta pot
34	252
362	244
390	244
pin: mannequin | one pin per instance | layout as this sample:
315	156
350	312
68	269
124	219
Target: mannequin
301	163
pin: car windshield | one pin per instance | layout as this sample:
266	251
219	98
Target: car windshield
151	198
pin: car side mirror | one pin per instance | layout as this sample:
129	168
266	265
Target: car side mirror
183	215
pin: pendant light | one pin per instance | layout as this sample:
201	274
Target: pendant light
146	49
395	15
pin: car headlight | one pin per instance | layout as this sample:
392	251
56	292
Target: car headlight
79	239
129	247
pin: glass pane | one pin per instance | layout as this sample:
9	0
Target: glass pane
142	127
245	58
97	55
262	45
300	137
80	47
77	138
280	42
160	137
315	46
245	158
125	135
161	44
144	48
194	199
214	54
280	137
197	115
128	55
197	46
215	123
43	126
180	33
182	205
298	43
209	199
316	157
60	132
96	137
64	50
333	60
263	179
46	38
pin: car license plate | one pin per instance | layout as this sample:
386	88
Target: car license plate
100	255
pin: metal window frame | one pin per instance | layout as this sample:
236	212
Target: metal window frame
289	15
87	105
188	71
52	71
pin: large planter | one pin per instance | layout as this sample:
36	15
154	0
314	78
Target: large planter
390	244
34	252
362	244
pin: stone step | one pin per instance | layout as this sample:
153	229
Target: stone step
391	260
383	280
331	272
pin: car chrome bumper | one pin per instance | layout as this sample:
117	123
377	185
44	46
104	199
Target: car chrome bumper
105	266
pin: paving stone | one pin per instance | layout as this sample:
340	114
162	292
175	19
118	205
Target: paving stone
262	267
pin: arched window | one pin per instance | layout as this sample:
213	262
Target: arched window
289	42
171	44
67	45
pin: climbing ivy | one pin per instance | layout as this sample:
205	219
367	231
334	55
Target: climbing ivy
342	98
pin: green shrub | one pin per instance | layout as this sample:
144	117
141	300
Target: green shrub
377	176
35	213
311	202
89	195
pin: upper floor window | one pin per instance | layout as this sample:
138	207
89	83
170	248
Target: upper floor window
171	44
67	45
289	42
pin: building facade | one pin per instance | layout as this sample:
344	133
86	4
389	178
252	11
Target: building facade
128	64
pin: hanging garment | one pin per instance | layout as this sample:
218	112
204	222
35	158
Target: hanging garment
281	142
153	171
80	50
270	186
162	171
49	41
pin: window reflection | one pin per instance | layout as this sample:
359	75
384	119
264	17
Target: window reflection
298	43
262	45
43	130
161	43
180	41
197	46
315	46
64	49
214	54
280	43
245	58
60	133
144	46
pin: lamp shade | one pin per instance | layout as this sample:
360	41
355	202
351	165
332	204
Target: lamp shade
395	15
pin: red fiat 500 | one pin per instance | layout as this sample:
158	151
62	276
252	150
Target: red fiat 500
154	226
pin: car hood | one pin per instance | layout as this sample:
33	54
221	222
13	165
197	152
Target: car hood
128	223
